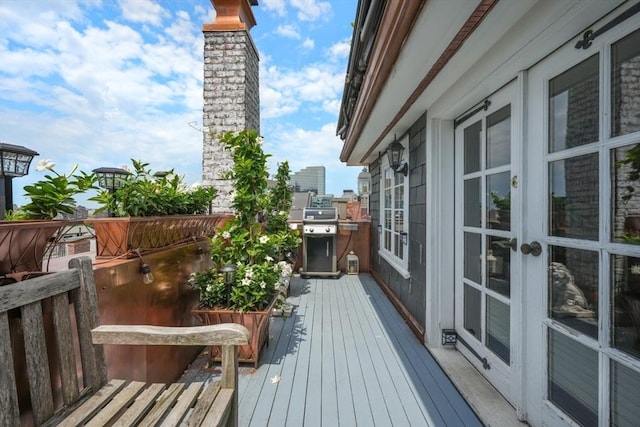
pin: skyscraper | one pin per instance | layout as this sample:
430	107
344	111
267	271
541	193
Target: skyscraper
311	178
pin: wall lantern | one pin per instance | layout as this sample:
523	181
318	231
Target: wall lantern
404	237
364	182
379	228
353	263
111	178
14	161
394	155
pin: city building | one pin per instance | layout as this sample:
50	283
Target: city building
311	178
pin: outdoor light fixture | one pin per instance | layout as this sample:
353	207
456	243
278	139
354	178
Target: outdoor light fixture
229	276
394	155
404	236
449	337
353	263
161	174
147	275
145	269
111	178
379	228
14	161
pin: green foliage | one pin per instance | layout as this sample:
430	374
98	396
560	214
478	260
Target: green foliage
143	194
258	239
632	159
503	203
55	193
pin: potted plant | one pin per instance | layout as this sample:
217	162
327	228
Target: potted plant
28	230
151	211
257	243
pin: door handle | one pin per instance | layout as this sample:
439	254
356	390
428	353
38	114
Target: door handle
534	248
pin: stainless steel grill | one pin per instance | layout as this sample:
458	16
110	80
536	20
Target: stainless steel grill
320	228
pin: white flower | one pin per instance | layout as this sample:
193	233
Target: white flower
268	258
263	284
226	235
260	140
248	273
264	239
45	164
246	281
196	185
276	379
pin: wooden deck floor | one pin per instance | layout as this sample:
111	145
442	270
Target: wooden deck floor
344	358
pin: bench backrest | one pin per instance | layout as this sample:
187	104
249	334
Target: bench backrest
55	311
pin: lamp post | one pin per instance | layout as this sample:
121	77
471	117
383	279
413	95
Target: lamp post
14	161
229	276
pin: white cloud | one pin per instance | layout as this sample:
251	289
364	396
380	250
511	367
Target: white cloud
143	11
283	90
277	6
289	31
340	49
312	10
308	44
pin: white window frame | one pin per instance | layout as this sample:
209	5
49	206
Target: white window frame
401	265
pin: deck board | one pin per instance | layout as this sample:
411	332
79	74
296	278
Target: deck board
345	357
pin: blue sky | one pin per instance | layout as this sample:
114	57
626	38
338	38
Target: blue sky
100	82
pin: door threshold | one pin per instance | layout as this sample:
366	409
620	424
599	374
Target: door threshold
490	406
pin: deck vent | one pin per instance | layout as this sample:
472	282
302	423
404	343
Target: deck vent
449	337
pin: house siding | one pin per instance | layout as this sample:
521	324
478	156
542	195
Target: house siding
411	293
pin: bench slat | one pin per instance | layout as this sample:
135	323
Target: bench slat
204	404
9	414
35	348
37	289
85	300
187	398
219	412
65	347
224	334
117	404
89	408
164	402
141	406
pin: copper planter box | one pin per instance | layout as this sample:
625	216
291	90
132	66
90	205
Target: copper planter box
24	243
257	322
117	237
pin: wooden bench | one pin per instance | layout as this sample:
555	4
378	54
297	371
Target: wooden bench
87	396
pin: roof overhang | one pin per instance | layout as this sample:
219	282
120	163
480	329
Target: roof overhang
459	49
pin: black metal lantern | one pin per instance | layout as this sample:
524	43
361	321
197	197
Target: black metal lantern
14	161
111	178
394	155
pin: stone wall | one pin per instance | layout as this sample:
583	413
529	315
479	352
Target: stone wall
231	102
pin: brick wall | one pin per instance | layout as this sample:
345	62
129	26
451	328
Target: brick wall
231	102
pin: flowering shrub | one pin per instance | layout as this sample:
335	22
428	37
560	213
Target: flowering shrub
145	194
258	239
55	193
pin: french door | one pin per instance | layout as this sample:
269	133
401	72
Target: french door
581	212
487	221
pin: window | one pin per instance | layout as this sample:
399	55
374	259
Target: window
394	217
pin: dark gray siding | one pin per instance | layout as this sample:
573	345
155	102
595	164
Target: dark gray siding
411	292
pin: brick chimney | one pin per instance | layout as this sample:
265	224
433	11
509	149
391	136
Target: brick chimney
231	88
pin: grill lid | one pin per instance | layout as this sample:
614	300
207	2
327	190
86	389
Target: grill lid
310	215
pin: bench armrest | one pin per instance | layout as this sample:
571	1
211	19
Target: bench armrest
222	334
